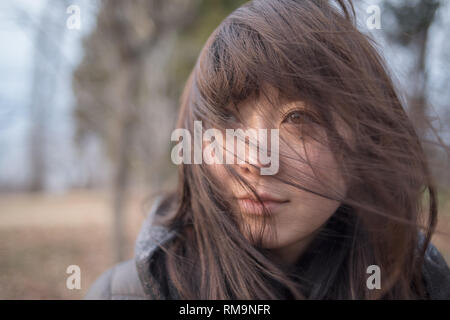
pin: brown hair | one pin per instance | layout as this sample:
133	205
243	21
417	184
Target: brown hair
308	51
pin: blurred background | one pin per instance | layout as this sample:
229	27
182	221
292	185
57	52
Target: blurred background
88	98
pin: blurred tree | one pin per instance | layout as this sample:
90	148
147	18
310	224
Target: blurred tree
112	86
49	33
413	21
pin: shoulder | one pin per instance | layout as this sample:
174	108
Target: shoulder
436	274
121	282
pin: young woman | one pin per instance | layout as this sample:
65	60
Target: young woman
349	213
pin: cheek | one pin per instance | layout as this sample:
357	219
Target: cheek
307	211
312	165
327	174
305	215
220	174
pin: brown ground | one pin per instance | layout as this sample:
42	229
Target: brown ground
41	235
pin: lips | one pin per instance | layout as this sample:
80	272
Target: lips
250	205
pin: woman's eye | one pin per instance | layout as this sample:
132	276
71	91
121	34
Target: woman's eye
298	117
294	117
229	116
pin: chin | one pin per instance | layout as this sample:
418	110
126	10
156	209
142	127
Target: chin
268	238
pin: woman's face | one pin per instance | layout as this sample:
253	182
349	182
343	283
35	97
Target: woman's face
305	160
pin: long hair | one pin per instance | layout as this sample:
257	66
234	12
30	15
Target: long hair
309	51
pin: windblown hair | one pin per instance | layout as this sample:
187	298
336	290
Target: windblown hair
309	51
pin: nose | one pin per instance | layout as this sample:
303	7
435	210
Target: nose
249	168
250	164
256	130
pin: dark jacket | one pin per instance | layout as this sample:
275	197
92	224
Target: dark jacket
139	278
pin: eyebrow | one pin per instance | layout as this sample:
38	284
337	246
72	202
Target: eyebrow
292	104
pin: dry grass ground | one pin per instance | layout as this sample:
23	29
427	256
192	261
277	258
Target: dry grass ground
40	235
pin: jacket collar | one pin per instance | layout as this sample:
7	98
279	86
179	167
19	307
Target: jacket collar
148	245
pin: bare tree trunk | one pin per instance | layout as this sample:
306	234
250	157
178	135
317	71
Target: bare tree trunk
124	153
120	188
418	100
47	62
